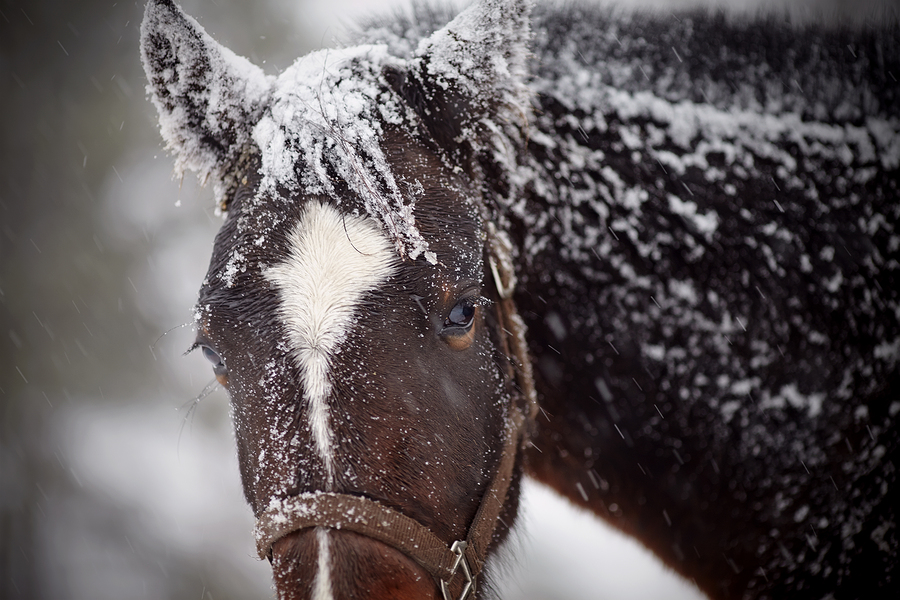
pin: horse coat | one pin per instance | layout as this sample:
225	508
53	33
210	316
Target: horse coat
700	218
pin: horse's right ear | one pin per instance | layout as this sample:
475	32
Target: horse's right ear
208	98
469	79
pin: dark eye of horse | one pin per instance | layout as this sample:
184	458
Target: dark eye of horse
215	360
458	331
462	315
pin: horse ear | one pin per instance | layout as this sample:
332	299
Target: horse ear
208	98
470	77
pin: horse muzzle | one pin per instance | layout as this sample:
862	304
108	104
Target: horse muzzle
328	564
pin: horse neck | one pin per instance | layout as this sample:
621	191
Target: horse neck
630	300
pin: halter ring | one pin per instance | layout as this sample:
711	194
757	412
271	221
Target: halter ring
459	548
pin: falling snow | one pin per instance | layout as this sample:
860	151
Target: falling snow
720	226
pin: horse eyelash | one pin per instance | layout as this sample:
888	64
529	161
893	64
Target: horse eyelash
165	333
480	300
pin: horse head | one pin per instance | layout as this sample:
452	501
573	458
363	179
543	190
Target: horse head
356	303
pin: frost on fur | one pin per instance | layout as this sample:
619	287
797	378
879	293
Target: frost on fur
318	128
205	94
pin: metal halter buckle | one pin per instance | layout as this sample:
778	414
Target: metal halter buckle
468	590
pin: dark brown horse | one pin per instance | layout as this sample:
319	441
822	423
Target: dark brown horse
676	236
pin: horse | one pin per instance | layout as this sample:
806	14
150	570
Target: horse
648	260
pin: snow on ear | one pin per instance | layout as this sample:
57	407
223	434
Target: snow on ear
470	77
208	98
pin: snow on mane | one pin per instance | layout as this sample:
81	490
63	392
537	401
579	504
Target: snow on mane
324	125
319	126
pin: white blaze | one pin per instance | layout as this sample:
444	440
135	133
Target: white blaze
334	260
322	584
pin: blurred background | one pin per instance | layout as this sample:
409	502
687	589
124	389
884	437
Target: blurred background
118	475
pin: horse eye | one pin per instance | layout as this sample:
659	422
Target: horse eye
458	332
461	315
214	359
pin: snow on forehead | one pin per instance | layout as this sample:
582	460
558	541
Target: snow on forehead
326	118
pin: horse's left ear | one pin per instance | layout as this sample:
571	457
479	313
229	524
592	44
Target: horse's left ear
208	98
471	75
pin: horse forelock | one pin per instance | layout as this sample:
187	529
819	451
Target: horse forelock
323	131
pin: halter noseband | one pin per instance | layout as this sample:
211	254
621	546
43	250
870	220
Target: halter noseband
370	518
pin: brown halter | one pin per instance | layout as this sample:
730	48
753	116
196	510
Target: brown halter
367	517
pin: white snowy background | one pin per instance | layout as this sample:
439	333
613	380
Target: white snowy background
115	482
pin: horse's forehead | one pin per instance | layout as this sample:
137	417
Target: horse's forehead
287	243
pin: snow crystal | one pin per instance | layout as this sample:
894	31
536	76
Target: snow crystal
744	386
654	351
879	533
705	224
790	395
728	409
834	284
236	264
888	351
885	134
683	290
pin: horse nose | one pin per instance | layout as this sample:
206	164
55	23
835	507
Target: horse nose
319	563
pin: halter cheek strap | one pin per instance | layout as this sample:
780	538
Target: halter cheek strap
455	566
512	328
